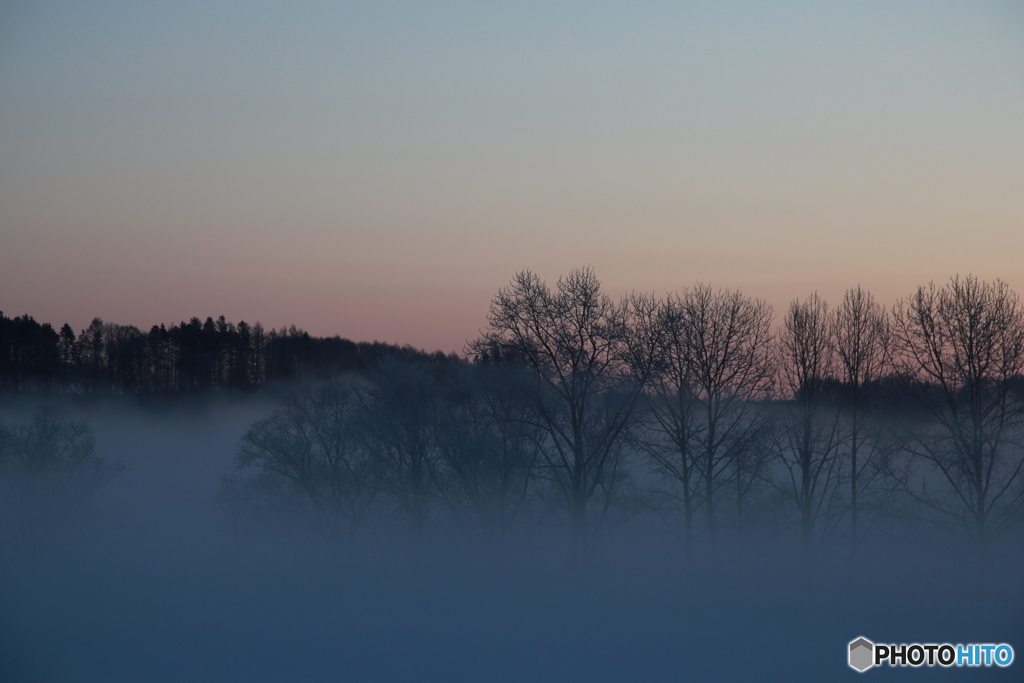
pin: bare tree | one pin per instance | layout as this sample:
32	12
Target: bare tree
964	344
726	346
589	366
489	448
400	413
861	334
673	424
307	458
749	463
810	438
49	470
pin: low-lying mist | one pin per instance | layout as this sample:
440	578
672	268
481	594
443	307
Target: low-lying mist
159	576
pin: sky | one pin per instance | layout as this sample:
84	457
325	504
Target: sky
379	170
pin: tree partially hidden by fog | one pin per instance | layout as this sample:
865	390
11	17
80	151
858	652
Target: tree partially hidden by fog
308	459
963	345
490	450
862	336
713	366
401	415
49	471
416	443
808	433
590	359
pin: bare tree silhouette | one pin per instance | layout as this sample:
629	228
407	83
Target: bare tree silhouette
49	470
964	345
590	362
809	440
489	447
400	415
726	340
861	334
307	459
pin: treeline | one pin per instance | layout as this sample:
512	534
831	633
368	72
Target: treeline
190	357
695	410
698	410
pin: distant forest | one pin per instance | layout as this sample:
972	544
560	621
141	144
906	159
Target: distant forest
697	407
189	357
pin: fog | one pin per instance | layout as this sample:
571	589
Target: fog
157	580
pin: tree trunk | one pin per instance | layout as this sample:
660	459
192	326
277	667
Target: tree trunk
709	473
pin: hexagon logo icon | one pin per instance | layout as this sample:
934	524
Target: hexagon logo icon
861	654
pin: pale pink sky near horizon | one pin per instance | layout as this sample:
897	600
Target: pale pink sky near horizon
379	172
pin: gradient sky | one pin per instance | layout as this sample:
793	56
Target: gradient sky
378	170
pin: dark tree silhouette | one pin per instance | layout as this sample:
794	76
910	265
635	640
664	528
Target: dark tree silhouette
861	334
809	439
49	470
670	439
726	344
589	360
489	449
308	459
400	414
190	357
964	344
29	353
